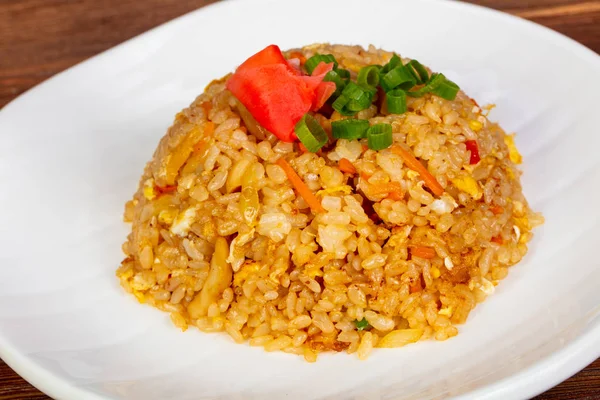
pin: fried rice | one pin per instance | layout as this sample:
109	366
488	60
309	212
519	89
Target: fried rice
223	242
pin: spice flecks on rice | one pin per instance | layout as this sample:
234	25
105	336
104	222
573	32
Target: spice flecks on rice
224	241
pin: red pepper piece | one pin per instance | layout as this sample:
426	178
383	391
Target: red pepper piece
474	149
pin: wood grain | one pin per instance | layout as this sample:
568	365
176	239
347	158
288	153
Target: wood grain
39	38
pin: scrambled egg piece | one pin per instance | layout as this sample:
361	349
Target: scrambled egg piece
412	175
313	271
243	274
513	153
345	189
149	192
183	222
167	216
468	185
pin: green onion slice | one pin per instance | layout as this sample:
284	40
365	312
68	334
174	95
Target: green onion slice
353	99
446	90
434	82
379	136
350	129
340	83
310	133
418	71
396	101
393	63
343	73
362	324
399	77
312	62
369	77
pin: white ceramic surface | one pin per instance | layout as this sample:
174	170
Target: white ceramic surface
72	150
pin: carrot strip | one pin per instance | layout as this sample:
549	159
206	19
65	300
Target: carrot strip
395	196
300	186
365	176
497	239
346	166
423	252
416	287
497	210
415	165
390	187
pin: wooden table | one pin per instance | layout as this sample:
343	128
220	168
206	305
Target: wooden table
39	38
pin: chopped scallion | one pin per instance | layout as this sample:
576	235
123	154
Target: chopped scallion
379	136
344	73
312	62
418	71
350	129
393	63
396	101
434	81
340	83
362	324
399	77
310	133
353	99
446	90
369	77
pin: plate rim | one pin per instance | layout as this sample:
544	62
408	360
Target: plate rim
556	366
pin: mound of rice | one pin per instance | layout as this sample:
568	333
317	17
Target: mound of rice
222	241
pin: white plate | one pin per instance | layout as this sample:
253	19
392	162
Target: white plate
72	150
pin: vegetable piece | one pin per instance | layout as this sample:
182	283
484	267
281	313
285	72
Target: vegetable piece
393	63
388	188
343	73
353	99
379	136
219	278
400	337
275	94
414	164
300	186
346	166
396	101
423	252
313	61
439	85
340	83
474	149
310	133
369	76
395	196
434	81
497	239
350	129
362	324
418	71
416	287
497	210
399	77
447	90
